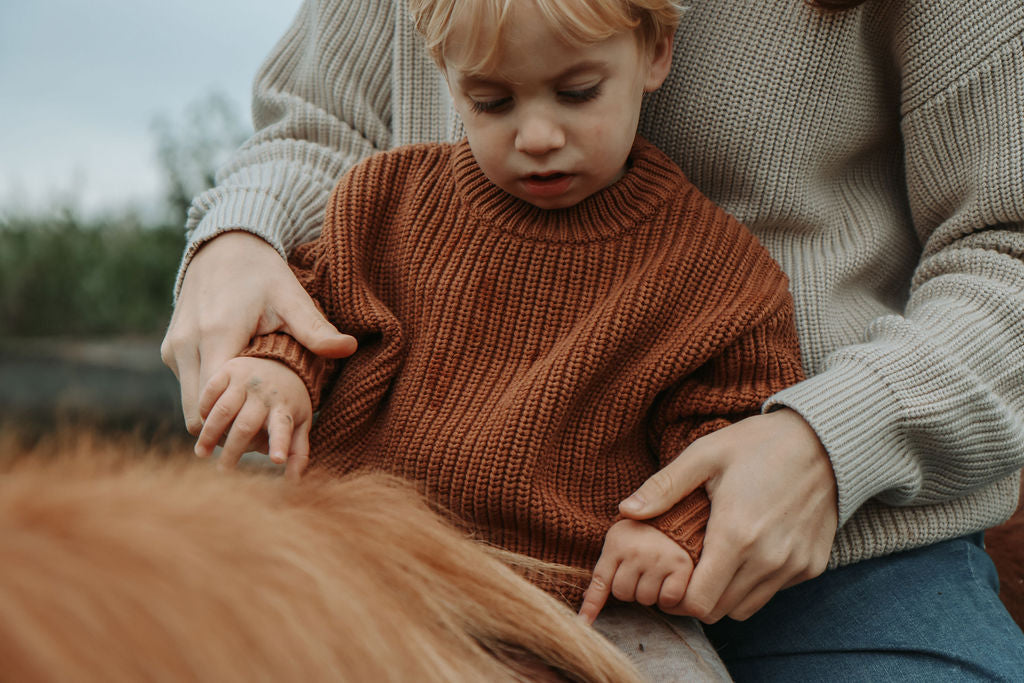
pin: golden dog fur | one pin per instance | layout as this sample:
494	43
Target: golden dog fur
124	566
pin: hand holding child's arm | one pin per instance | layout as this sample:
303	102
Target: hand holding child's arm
638	564
238	287
251	395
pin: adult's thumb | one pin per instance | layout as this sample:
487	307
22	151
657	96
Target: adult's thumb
663	489
301	319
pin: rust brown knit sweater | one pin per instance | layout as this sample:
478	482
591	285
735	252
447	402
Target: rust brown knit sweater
530	368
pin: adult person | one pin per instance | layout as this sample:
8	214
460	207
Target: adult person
876	152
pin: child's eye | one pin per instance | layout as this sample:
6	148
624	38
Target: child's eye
490	106
580	96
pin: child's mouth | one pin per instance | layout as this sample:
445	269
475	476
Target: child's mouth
548	184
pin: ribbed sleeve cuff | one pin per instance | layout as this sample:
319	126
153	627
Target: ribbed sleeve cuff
251	211
312	369
687	522
857	419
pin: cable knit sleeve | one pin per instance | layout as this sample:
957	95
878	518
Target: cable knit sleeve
730	386
930	407
321	102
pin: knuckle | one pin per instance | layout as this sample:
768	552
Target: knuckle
743	540
699	609
246	426
646	599
174	338
214	327
731	538
598	583
741	613
318	325
811	570
777	560
239	365
669	597
222	412
167	353
820	563
662	483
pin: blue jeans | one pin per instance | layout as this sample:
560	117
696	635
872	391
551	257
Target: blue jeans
931	614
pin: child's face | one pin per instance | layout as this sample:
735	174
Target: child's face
553	123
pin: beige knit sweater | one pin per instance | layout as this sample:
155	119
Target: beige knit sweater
530	368
878	154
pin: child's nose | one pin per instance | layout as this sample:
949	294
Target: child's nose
539	134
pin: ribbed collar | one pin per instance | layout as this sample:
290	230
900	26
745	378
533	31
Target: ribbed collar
651	179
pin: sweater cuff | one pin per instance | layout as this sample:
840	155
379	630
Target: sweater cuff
856	416
687	522
239	209
312	369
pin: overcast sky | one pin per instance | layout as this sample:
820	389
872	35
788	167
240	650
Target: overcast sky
82	82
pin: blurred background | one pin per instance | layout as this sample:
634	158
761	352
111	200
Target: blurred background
114	114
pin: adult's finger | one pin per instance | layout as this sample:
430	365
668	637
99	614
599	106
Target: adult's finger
186	368
667	486
710	579
182	357
742	604
301	319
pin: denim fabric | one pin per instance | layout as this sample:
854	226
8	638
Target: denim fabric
931	614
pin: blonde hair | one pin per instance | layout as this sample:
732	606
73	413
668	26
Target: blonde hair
578	22
122	567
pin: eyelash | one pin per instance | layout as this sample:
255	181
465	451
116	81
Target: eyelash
571	96
489	107
581	96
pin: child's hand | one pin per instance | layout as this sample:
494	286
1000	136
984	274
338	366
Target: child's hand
248	396
638	564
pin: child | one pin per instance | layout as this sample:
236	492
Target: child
547	312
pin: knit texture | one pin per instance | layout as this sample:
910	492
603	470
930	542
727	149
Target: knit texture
531	368
876	153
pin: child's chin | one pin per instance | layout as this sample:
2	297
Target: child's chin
554	206
553	203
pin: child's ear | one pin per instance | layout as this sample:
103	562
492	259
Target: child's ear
661	62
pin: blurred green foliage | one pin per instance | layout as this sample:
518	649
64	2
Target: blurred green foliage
61	276
65	275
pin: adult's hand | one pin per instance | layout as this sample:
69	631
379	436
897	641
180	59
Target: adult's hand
237	287
773	511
